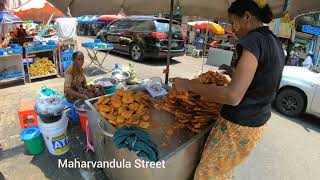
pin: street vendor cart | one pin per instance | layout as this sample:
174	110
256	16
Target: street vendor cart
180	151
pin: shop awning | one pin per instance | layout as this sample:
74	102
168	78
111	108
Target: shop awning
216	9
37	10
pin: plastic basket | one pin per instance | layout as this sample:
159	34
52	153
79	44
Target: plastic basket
66	56
52	42
88	44
17	51
14	46
30	49
97	41
13	75
66	64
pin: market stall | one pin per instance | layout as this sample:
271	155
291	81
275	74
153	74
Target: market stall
178	135
41	67
11	68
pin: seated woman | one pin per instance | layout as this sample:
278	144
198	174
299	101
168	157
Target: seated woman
75	85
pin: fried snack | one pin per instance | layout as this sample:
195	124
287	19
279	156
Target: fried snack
105	100
120	119
119	92
134	106
192	110
122	108
146	117
115	97
144	124
127	99
110	117
116	103
127	114
100	100
105	108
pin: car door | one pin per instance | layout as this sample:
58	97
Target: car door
112	34
125	35
316	101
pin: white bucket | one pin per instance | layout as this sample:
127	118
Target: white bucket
56	135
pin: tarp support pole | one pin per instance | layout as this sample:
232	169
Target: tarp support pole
169	43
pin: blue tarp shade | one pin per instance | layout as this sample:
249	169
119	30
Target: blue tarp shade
89	19
7	17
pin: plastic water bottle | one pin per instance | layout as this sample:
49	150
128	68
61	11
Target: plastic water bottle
117	67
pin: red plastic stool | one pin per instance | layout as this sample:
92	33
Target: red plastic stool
26	113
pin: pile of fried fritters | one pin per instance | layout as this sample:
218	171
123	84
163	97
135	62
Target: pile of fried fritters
125	108
192	110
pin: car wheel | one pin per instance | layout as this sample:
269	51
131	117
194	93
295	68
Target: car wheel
136	52
290	102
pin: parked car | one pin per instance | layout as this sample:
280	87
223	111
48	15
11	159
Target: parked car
299	92
143	37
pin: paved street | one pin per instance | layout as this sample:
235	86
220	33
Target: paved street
290	149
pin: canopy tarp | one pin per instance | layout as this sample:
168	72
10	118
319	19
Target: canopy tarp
214	9
37	10
7	18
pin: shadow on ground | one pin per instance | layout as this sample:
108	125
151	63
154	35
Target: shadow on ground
93	71
48	163
308	122
77	151
12	84
147	61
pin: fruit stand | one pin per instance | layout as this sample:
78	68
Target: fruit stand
40	66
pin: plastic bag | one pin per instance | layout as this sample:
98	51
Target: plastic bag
50	105
46	92
133	75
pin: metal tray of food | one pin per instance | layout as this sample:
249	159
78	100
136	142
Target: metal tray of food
163	130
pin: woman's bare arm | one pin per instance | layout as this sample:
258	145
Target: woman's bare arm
231	95
68	89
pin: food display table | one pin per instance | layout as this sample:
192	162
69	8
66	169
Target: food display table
93	51
11	61
180	150
55	62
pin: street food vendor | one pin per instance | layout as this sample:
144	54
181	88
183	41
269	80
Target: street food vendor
75	85
247	101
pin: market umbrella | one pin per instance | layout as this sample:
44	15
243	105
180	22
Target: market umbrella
211	26
204	8
109	18
37	10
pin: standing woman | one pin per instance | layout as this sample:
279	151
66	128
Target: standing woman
247	101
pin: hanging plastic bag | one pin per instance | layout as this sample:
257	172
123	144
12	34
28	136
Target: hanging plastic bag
46	92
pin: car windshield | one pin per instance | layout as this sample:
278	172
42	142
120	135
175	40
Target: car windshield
163	26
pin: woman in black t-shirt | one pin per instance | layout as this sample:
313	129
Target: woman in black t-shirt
247	101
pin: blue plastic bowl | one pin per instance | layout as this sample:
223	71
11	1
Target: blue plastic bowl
97	41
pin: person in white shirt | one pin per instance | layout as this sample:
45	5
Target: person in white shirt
308	61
